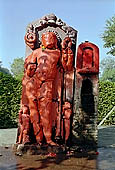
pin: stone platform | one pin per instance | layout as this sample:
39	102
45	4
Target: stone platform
35	149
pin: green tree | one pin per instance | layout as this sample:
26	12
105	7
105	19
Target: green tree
107	67
108	35
10	94
17	68
106	102
3	69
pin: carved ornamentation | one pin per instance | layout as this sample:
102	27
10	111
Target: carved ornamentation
50	21
30	39
67	54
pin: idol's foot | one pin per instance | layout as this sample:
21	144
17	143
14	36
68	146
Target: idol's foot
50	142
39	143
39	138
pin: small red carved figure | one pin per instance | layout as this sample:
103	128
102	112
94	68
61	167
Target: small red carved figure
67	112
67	54
88	58
24	120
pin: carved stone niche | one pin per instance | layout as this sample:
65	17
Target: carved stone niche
88	58
48	82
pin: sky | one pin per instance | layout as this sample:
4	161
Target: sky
88	17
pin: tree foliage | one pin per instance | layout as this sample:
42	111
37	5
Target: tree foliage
107	67
106	102
10	92
108	35
3	70
17	68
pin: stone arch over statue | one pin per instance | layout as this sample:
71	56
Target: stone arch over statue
51	23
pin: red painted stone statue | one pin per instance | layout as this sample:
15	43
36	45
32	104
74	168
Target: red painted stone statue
41	68
39	81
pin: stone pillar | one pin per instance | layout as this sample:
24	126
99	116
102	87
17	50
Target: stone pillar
86	95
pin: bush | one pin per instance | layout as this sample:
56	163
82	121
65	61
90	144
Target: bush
10	92
106	102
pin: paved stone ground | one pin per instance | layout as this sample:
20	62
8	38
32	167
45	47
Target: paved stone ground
7	136
106	148
104	161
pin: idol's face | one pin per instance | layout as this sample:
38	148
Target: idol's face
49	40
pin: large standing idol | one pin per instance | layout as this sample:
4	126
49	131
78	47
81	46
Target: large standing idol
48	82
59	98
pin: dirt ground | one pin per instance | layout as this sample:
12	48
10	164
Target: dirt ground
80	161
